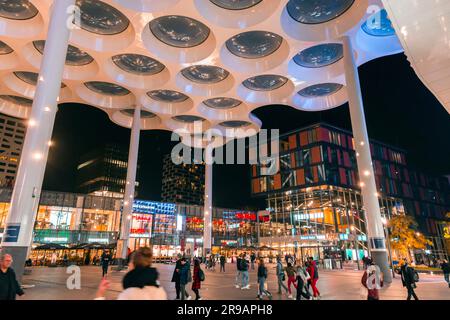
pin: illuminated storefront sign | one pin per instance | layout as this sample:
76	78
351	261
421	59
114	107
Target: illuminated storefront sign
309	216
141	225
314	237
55	239
99	240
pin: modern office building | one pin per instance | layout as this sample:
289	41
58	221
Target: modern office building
183	183
315	199
103	171
12	135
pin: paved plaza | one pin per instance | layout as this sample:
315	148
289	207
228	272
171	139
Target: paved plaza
50	284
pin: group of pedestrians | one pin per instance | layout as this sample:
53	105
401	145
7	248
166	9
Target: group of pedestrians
242	276
182	276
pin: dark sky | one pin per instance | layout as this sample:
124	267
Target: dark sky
399	111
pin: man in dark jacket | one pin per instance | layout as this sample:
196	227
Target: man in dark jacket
106	259
446	270
176	278
9	287
408	280
238	272
222	263
185	278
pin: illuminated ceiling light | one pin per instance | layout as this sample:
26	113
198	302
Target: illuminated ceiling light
74	57
50	143
144	114
235	124
317	11
188	118
362	143
320	90
107	88
362	184
168	96
235	4
222	103
17	9
320	56
379	25
367	173
5	49
21	101
205	74
138	64
254	44
266	82
179	31
37	156
101	18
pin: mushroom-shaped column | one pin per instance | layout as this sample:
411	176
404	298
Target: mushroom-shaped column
207	229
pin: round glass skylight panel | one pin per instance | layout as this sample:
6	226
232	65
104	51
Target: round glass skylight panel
17	100
320	56
4	48
168	96
30	77
179	31
235	124
235	4
75	57
138	64
205	74
107	88
267	82
320	90
222	103
317	11
379	25
188	118
101	18
17	9
144	114
254	44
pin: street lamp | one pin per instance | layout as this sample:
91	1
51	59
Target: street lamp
386	229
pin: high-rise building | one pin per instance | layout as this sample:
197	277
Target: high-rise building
103	171
315	201
183	183
12	135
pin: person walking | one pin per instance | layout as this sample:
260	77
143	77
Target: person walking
197	277
302	283
222	260
372	280
262	278
252	260
185	278
314	274
281	277
446	270
9	286
409	280
244	272
290	271
238	272
106	259
176	279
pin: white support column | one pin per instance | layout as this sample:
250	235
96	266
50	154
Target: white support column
375	231
131	182
27	189
207	229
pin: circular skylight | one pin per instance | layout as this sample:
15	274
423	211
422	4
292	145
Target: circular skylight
317	11
17	100
4	48
235	124
107	88
235	4
101	18
144	114
222	103
379	25
179	31
17	9
188	118
254	44
205	74
138	64
319	56
265	82
30	77
320	90
75	57
168	96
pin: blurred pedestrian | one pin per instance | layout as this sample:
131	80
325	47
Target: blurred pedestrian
9	286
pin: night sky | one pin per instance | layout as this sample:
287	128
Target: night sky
399	111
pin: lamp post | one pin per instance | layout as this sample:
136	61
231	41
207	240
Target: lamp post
388	239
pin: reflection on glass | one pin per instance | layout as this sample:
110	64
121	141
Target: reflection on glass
379	25
30	77
107	88
4	48
235	4
167	96
17	9
222	103
188	118
317	11
319	56
179	31
138	64
320	90
266	82
205	74
254	44
74	57
144	114
235	124
17	100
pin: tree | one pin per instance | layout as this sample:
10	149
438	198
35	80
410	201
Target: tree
404	236
447	228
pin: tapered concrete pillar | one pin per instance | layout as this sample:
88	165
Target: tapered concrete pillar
375	231
131	182
18	233
207	229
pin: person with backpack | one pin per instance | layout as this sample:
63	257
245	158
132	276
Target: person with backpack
281	277
302	283
244	272
409	279
290	271
314	274
372	280
197	277
262	278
